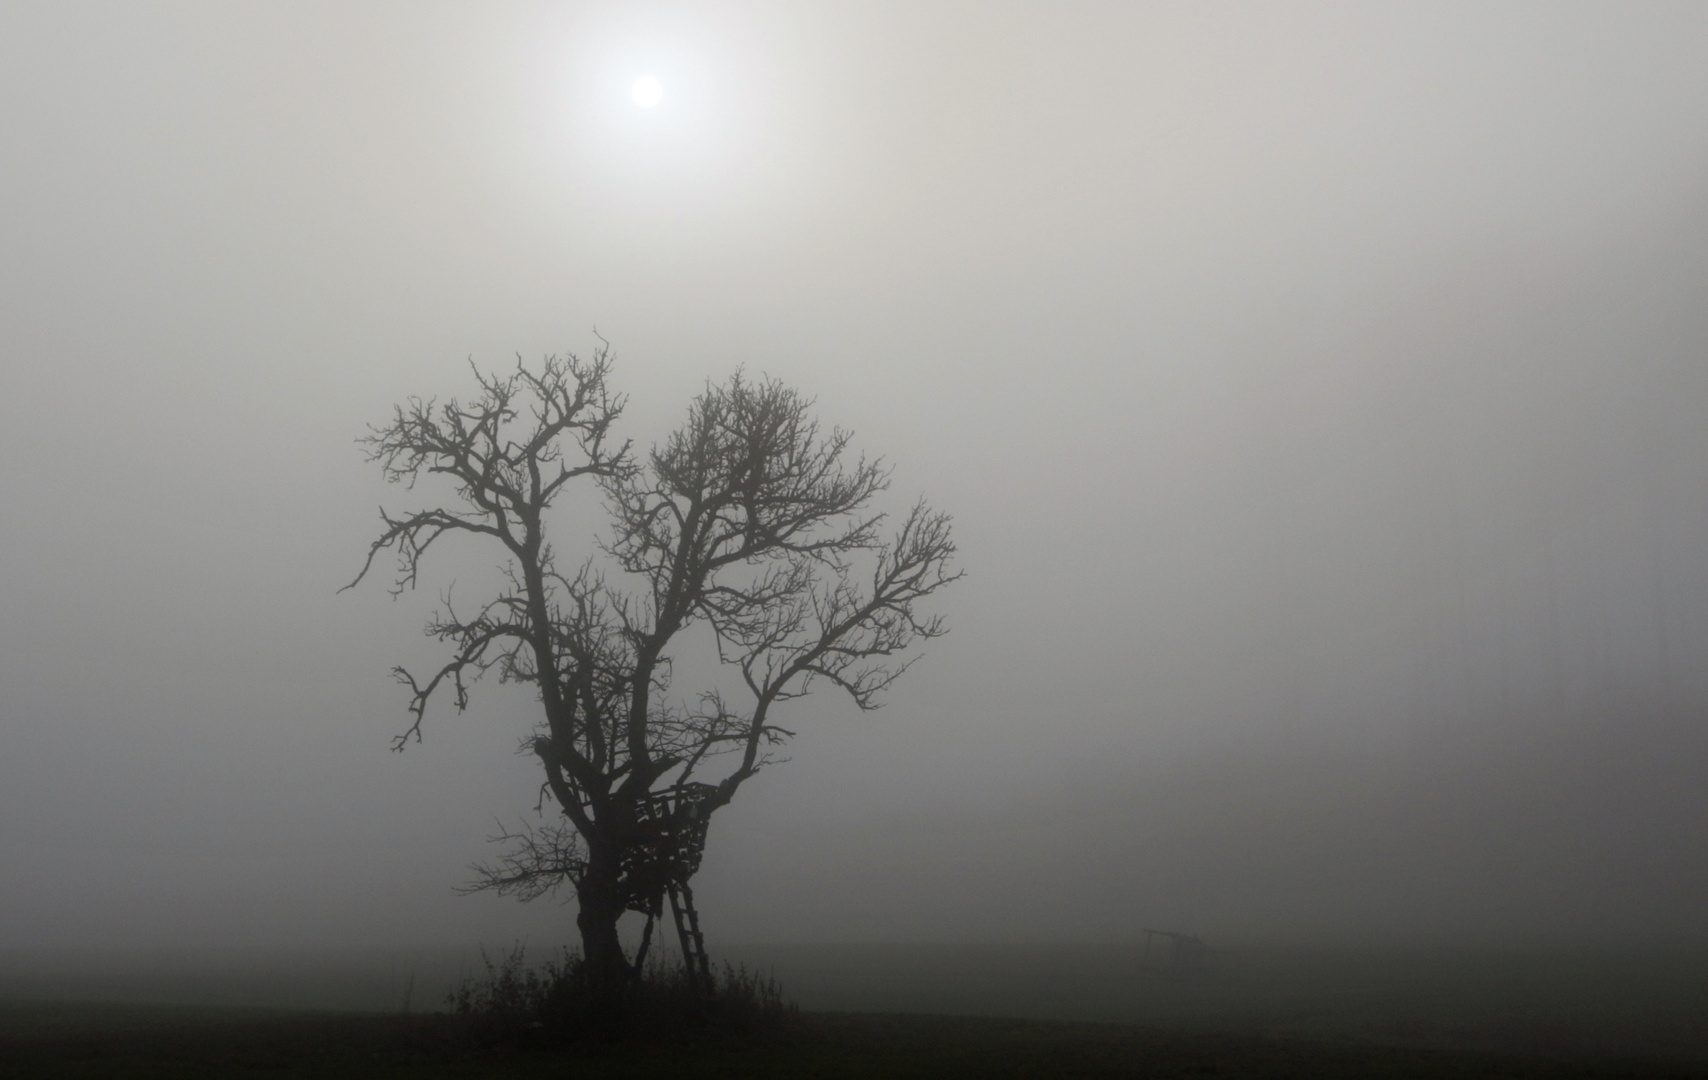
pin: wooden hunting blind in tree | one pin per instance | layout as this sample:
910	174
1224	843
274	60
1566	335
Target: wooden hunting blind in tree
748	525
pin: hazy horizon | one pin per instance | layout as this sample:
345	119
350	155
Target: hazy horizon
1318	391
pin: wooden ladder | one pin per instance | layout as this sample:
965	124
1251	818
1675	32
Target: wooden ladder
688	931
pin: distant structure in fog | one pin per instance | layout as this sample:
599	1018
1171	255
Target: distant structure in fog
1174	953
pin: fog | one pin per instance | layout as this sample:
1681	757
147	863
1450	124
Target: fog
1318	390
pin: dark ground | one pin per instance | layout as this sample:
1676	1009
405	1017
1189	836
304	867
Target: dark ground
896	1011
129	1042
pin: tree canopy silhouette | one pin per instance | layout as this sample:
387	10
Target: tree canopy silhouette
749	524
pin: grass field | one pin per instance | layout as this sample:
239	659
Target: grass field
941	1010
1649	1003
134	1042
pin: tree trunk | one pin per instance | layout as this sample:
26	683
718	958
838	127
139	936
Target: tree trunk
601	905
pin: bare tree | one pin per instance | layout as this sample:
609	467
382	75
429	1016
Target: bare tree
749	525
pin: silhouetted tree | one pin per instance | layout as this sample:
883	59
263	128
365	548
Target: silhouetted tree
749	523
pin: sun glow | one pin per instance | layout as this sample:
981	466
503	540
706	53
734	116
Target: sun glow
647	91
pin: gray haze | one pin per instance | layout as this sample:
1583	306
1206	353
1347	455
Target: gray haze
1319	390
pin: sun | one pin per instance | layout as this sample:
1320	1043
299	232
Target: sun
647	91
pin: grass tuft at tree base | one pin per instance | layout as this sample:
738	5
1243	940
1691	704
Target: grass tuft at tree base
557	1004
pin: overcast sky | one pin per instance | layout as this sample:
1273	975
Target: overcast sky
1319	390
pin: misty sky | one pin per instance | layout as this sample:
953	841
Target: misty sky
1319	390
